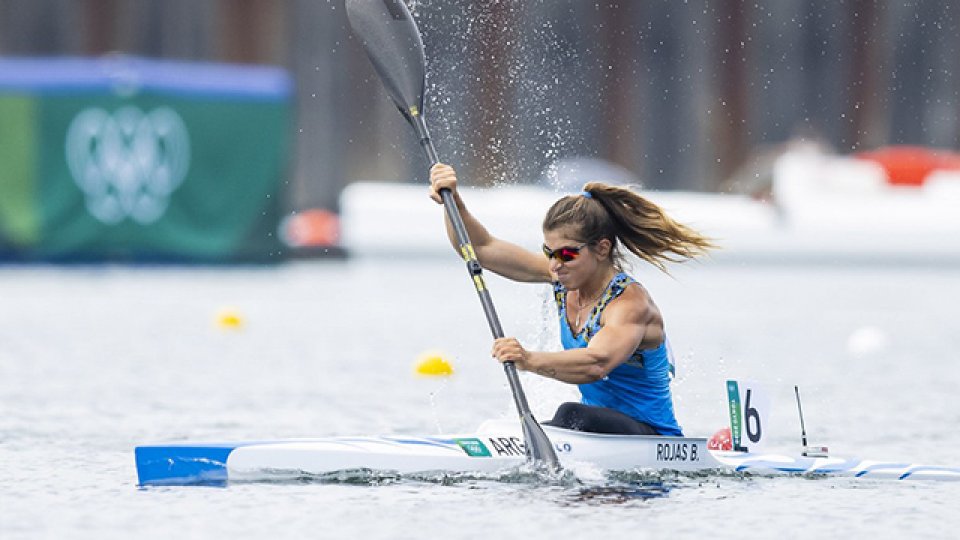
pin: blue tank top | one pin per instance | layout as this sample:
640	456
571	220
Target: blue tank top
639	387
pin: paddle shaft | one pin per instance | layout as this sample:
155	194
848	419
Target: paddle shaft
473	266
392	40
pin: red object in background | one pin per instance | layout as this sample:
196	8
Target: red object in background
721	440
910	165
312	228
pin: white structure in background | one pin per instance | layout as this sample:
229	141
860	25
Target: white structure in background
839	206
825	207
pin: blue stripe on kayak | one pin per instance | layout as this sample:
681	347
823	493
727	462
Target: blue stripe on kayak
950	470
764	464
845	465
877	467
433	441
445	443
183	464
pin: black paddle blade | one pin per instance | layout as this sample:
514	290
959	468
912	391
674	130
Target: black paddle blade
392	41
539	447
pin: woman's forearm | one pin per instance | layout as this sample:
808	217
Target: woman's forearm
575	366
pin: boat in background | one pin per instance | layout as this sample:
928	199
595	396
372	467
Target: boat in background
815	206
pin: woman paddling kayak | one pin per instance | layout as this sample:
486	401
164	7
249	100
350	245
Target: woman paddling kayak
615	347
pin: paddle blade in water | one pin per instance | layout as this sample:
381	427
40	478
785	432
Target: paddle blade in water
392	41
539	447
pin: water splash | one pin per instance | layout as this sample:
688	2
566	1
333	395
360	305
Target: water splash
487	74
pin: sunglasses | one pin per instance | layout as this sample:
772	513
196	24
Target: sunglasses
564	254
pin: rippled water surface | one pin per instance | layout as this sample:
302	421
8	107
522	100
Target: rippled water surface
94	360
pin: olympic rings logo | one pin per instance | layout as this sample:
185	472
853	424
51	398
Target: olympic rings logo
128	163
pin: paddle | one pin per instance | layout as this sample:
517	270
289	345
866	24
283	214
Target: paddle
392	41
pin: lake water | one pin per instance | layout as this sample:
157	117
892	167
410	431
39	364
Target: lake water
94	360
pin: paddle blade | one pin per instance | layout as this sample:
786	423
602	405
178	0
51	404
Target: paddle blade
392	41
539	447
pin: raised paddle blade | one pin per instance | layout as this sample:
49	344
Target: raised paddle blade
392	41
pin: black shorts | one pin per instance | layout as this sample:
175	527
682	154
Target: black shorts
580	417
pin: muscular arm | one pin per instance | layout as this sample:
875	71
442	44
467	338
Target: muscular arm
509	260
627	322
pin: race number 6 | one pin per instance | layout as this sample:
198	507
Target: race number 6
749	408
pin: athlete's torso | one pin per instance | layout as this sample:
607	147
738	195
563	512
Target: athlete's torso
638	387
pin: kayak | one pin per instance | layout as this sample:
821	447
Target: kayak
497	445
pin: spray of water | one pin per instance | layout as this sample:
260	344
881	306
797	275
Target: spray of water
493	78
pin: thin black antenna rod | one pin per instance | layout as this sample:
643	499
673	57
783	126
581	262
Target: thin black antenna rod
803	430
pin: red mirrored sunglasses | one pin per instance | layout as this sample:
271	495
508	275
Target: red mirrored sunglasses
565	253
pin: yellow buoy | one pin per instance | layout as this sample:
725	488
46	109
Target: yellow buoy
433	364
229	319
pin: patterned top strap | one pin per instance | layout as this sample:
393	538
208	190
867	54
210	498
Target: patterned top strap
616	286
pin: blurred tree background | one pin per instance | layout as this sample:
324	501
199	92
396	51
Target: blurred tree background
687	94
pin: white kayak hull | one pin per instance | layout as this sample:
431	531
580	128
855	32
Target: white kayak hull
496	446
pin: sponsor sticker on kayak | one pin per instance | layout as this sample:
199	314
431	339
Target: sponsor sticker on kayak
473	447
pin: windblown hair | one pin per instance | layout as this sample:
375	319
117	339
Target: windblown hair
625	217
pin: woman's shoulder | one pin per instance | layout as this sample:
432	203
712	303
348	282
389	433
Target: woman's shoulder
623	282
623	279
628	293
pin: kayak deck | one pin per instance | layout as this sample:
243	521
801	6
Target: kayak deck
496	446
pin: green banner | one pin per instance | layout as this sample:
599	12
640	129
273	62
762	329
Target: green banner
172	161
736	421
19	212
